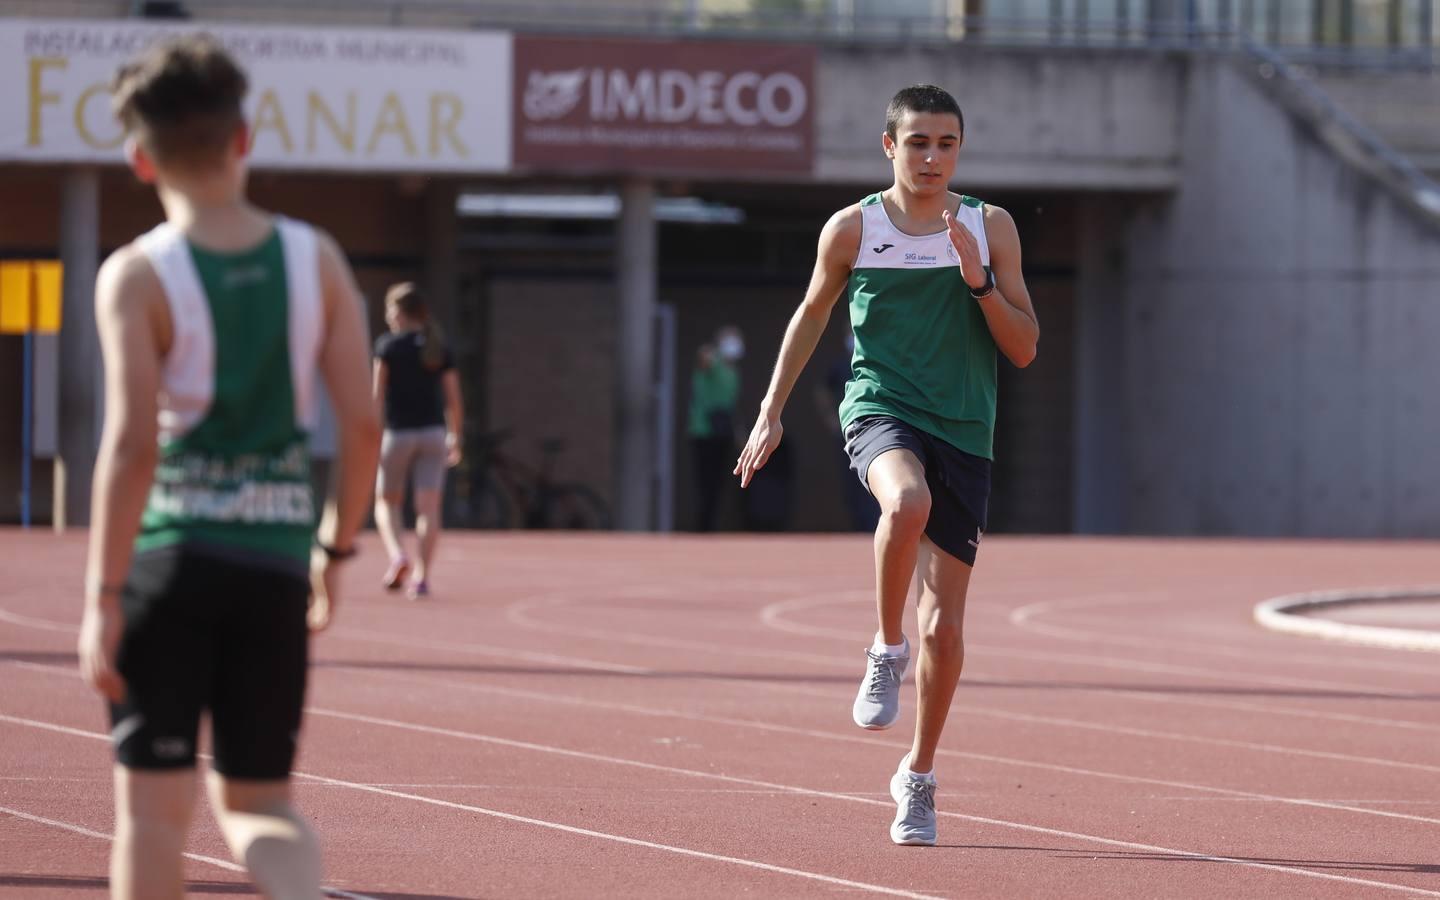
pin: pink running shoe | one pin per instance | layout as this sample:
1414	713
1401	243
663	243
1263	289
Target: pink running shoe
395	575
418	590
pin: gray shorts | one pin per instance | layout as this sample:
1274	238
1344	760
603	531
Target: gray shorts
418	452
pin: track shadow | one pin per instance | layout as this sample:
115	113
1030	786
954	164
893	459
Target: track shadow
78	882
87	881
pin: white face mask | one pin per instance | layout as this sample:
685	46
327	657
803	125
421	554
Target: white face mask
731	348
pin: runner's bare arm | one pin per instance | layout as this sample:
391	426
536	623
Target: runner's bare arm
1008	310
344	359
454	417
128	296
380	380
835	256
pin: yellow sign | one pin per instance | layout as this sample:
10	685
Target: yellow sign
30	297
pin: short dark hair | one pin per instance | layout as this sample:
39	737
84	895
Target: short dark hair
920	98
181	100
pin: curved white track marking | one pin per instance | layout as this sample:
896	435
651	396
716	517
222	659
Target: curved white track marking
789	789
378	637
1279	614
586	702
516	613
1108	663
772	616
197	857
1024	618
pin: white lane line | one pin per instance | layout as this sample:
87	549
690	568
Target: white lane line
1001	823
510	817
880	742
637	842
88	832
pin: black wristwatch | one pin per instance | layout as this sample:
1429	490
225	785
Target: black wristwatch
985	289
335	553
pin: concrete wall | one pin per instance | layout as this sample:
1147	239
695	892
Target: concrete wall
1268	360
1403	107
1051	118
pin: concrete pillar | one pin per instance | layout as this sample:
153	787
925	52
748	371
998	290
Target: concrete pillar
81	396
1100	473
635	350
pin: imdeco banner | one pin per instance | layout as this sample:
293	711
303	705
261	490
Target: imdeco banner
704	107
341	99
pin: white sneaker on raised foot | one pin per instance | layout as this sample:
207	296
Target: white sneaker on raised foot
915	813
877	705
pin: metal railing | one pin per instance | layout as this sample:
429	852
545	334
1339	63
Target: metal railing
1395	33
1350	138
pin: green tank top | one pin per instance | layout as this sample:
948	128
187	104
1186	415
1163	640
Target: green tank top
923	352
237	397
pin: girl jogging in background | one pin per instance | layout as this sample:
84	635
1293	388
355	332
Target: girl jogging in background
415	380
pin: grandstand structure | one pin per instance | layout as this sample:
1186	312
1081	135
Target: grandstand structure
1229	212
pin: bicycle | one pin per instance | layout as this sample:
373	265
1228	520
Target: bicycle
499	491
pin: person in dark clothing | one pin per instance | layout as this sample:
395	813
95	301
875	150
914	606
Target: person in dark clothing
416	381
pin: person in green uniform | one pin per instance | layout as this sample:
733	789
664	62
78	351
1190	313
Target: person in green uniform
714	394
205	570
935	288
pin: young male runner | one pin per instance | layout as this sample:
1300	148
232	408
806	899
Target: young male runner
934	287
214	326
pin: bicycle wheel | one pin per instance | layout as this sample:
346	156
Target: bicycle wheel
575	507
490	505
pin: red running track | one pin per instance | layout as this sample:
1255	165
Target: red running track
624	716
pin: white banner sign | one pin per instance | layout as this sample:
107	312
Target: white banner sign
393	100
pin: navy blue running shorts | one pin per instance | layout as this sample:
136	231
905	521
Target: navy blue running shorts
959	482
204	633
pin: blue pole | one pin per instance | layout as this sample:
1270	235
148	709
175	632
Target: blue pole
25	437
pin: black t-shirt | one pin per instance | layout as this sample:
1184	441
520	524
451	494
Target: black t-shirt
413	395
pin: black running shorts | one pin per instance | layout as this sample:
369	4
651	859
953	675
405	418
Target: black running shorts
208	634
959	482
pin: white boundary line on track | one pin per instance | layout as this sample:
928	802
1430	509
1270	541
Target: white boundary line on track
1282	614
80	829
197	857
1036	829
493	813
1228	793
545	696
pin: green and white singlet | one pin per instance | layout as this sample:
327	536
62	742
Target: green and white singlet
237	397
923	352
